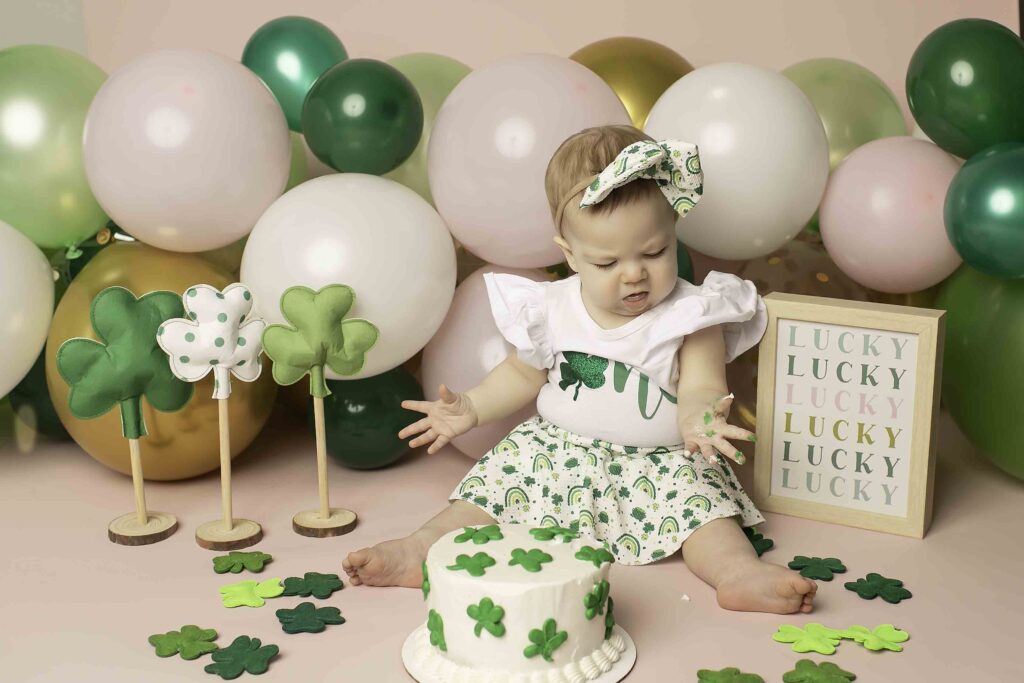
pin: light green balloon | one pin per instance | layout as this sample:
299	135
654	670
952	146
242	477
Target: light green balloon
434	77
45	94
298	172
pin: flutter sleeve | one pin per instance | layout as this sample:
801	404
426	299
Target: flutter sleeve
519	310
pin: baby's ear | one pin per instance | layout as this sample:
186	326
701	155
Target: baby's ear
567	251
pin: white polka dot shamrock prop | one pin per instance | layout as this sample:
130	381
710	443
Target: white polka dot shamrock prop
218	333
319	336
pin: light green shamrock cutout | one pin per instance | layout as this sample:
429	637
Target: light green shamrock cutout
593	602
487	616
126	364
484	534
191	641
811	638
475	565
318	336
250	593
807	671
884	637
530	561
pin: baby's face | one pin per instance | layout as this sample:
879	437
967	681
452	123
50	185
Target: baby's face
626	259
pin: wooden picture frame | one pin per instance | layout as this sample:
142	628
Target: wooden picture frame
868	474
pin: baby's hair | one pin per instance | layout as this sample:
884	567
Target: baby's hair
585	154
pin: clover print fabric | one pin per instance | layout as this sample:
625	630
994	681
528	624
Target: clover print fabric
641	502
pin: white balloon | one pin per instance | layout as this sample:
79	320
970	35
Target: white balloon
26	305
763	151
185	149
373	234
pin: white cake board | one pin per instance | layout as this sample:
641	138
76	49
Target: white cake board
619	670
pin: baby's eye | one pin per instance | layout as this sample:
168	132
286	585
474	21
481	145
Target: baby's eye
657	253
605	266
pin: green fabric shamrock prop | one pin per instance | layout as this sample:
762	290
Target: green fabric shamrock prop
875	585
545	641
235	561
596	555
582	370
313	583
884	637
245	654
760	543
475	565
191	641
250	593
484	534
530	561
807	671
436	627
126	364
487	616
811	638
816	567
549	533
308	618
426	581
593	602
727	675
609	620
318	336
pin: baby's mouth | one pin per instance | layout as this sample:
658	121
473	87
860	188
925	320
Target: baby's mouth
636	299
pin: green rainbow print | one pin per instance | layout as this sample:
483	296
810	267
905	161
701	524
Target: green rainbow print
471	483
576	494
685	471
506	446
591	459
683	204
517	496
609	491
548	521
669	525
693	164
646	485
629	543
699	501
541	462
586	520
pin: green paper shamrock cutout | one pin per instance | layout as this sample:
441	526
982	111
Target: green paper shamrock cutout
884	637
728	675
314	583
549	533
582	370
126	364
250	593
545	641
235	561
318	336
875	585
596	555
245	654
593	602
760	543
816	567
436	627
609	620
530	561
807	671
484	534
474	565
811	638
488	616
426	581
191	641
308	618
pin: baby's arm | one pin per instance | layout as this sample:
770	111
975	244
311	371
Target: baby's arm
506	389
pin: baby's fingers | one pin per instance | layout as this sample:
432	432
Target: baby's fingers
737	433
727	449
419	406
425	437
708	451
438	444
414	428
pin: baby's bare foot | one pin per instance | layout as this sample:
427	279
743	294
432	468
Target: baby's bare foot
764	587
391	563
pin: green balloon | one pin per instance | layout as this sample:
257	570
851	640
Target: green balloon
684	263
31	402
983	364
965	86
984	211
363	116
363	417
289	54
45	93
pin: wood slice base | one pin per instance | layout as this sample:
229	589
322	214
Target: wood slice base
126	530
214	536
310	523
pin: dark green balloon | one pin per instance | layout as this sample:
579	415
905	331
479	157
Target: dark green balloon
983	364
32	404
965	86
984	211
684	262
363	116
289	54
363	417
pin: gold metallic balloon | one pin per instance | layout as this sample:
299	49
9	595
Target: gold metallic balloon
638	70
182	444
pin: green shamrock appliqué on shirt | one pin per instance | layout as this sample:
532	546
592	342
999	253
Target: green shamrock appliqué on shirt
582	369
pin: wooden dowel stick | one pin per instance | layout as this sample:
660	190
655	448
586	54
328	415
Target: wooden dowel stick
140	492
321	455
225	464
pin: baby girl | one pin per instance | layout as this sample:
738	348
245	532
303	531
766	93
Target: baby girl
623	352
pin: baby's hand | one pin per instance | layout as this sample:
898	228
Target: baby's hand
709	430
448	417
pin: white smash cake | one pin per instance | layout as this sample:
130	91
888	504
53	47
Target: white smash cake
517	604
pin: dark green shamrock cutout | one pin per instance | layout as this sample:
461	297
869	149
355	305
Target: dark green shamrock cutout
807	671
235	561
582	370
318	336
728	675
127	363
426	582
596	555
191	641
308	618
816	567
484	534
609	619
530	561
760	543
436	627
487	616
593	602
313	583
549	533
545	641
875	585
474	565
244	654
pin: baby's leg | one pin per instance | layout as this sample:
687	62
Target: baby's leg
400	562
720	554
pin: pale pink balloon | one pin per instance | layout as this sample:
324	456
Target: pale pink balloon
881	216
465	349
490	146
